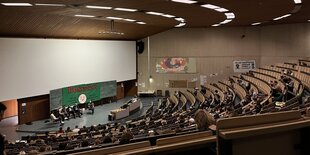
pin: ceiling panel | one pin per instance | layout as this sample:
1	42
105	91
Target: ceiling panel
61	22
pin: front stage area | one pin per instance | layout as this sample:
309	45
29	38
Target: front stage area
13	132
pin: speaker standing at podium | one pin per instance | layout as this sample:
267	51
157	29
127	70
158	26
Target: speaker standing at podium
92	107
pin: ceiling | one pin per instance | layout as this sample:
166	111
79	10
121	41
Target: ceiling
39	21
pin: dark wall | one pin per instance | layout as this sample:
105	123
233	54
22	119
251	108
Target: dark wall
36	108
130	88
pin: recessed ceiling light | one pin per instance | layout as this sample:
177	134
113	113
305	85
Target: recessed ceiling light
168	16
180	25
226	21
142	23
309	20
216	25
154	13
39	4
179	19
125	9
87	16
98	7
297	1
221	10
278	18
129	20
16	4
210	6
256	24
185	1
230	15
116	18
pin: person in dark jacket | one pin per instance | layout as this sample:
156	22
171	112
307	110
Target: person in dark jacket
2	109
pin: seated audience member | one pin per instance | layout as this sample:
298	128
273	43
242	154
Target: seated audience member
107	139
60	131
125	138
42	148
68	129
84	143
62	146
276	92
2	109
97	141
84	129
203	119
217	97
76	129
290	85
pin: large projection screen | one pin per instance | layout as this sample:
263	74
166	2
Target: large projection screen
31	67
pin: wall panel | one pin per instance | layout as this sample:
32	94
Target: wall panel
215	49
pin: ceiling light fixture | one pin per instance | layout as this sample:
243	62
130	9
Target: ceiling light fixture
297	1
180	25
221	10
142	23
115	18
154	13
226	21
125	9
256	24
16	4
185	1
179	19
210	6
284	16
168	16
86	16
41	4
129	20
98	7
230	15
215	25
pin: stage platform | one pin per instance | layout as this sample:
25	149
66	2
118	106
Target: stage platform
14	132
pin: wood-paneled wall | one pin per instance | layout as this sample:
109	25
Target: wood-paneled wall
120	90
215	49
36	108
11	110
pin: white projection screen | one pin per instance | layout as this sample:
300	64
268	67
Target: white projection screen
31	67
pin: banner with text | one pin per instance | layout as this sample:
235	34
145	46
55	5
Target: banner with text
244	65
81	93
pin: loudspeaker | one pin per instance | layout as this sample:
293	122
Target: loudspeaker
140	46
